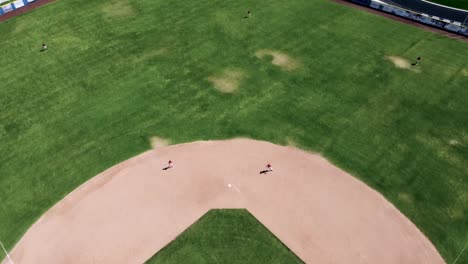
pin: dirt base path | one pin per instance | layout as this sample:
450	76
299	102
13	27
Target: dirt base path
129	212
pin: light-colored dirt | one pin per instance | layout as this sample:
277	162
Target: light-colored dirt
127	213
454	142
279	59
228	81
399	62
402	63
157	142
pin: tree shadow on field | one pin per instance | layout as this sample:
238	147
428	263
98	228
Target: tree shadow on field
264	172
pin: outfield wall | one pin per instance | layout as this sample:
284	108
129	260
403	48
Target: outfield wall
8	5
427	19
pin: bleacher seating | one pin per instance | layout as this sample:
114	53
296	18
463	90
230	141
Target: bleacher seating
431	9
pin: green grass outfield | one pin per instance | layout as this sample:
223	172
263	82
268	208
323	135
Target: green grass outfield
226	236
463	4
120	72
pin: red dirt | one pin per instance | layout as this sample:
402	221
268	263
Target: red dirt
129	212
24	9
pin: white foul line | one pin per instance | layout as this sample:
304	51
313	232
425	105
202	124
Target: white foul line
459	255
7	255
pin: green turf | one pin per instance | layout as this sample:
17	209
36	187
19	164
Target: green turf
118	73
463	4
226	236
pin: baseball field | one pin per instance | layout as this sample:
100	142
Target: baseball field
318	75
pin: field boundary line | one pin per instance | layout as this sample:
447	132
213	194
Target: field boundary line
461	253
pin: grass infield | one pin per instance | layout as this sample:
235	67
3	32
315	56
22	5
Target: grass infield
226	236
118	72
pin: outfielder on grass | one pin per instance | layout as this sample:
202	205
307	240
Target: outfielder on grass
418	60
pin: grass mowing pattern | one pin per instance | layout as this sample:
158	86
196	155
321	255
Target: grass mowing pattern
120	72
463	4
226	236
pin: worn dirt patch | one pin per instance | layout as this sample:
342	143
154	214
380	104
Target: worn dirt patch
399	62
291	142
157	142
22	25
465	72
228	81
402	63
121	8
279	59
455	213
405	197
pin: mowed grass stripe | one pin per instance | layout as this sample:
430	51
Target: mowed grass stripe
114	78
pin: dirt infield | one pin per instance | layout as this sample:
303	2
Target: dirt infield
129	212
24	9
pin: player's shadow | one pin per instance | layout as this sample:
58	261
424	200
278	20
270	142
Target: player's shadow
264	172
166	168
